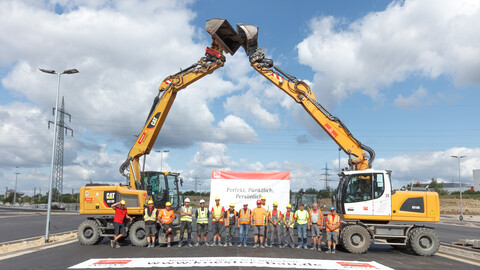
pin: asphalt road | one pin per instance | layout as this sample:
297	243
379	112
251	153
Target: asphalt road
74	253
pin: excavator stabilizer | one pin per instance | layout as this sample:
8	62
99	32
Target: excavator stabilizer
248	37
222	32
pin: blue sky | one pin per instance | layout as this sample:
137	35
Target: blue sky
403	76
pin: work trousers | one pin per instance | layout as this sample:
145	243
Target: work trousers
243	235
302	234
275	230
186	225
229	233
288	234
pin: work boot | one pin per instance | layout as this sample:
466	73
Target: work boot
230	244
152	244
169	245
333	251
239	245
117	245
112	243
328	251
207	244
148	244
180	244
197	244
255	245
262	246
313	248
190	244
299	247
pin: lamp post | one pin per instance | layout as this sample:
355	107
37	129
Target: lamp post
15	193
161	158
460	184
49	205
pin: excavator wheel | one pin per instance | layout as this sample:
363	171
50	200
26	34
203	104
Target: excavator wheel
137	234
355	239
88	233
423	241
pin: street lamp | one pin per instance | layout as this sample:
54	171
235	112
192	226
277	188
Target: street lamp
49	205
161	158
15	193
460	183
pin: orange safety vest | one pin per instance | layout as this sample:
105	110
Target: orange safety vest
167	216
227	217
259	215
320	217
244	216
333	222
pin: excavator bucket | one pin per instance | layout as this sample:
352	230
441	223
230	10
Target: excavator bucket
248	35
224	34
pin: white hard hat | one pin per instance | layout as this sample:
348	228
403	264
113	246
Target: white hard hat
202	201
187	200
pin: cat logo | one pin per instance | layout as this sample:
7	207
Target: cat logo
154	121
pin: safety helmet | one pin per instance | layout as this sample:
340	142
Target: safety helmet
187	200
122	202
245	203
202	201
332	208
168	204
150	202
263	198
275	204
232	204
259	202
289	206
217	198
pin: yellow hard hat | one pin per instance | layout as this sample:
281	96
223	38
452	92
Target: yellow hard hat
217	198
275	204
289	206
150	202
122	202
232	204
168	204
263	198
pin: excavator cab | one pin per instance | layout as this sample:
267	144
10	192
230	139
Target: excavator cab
162	187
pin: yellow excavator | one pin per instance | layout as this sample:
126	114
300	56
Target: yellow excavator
96	198
365	197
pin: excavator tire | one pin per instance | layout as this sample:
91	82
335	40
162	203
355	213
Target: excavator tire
137	234
355	239
423	241
88	233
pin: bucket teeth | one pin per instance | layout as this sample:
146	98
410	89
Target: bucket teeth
224	34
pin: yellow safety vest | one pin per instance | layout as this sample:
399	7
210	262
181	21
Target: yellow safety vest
187	217
153	217
202	216
302	217
218	213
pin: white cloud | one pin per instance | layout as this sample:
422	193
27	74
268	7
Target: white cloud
419	98
214	156
409	38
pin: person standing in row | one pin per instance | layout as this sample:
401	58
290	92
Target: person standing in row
274	218
332	228
218	212
230	222
302	226
259	215
166	219
186	222
150	218
288	223
202	215
244	216
316	223
267	210
119	222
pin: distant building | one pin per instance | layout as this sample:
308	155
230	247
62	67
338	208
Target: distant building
476	180
455	187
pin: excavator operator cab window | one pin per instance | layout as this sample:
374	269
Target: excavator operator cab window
359	188
379	185
158	183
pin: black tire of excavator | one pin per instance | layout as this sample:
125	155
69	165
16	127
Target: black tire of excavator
423	241
137	234
88	233
355	239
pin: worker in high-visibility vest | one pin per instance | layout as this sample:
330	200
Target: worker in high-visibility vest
230	221
150	215
316	223
332	226
274	222
218	212
202	215
186	222
302	217
288	223
244	216
257	221
166	218
267	209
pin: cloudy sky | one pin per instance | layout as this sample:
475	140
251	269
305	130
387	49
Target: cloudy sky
404	77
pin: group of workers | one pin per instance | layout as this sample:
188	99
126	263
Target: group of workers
266	223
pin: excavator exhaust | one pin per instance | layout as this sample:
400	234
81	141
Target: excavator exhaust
248	37
224	34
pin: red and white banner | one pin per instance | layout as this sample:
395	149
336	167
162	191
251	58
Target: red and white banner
227	262
248	187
